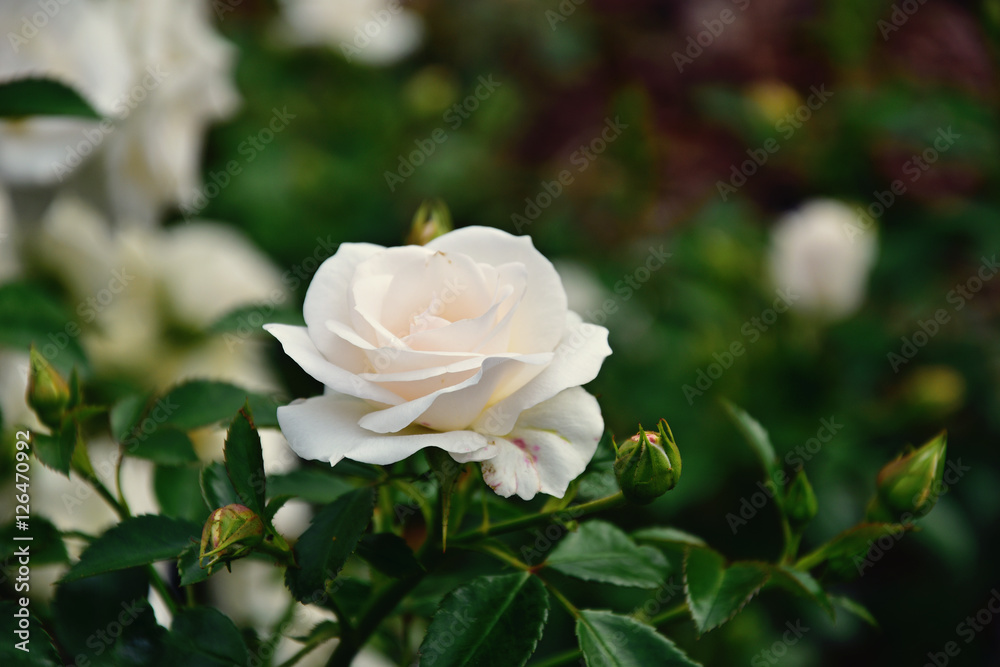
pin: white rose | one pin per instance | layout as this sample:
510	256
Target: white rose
819	253
465	344
156	71
376	32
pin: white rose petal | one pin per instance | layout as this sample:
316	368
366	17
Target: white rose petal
448	345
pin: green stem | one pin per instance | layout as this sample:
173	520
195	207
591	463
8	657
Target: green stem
669	615
118	482
502	555
811	559
566	658
98	486
309	647
574	512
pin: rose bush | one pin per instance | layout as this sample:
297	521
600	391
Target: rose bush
465	344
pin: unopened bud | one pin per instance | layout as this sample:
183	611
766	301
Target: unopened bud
648	464
431	221
909	486
48	393
231	532
800	500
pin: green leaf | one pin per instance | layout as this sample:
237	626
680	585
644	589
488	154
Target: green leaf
715	592
662	536
273	505
136	541
177	489
599	551
29	314
245	461
246	321
56	451
166	446
125	414
308	484
488	622
42	97
613	640
200	403
204	636
855	608
216	488
757	438
389	554
330	539
847	552
40	651
188	568
803	584
46	543
141	642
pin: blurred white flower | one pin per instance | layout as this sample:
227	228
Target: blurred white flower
813	255
158	73
10	262
375	32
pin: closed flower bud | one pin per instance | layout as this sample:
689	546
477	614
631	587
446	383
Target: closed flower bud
231	532
431	221
48	393
648	464
909	486
800	501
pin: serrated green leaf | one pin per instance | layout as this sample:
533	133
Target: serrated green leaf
39	653
756	437
198	403
715	592
42	97
216	488
245	461
56	451
855	608
204	636
136	541
166	446
389	554
308	484
489	622
662	536
188	567
803	584
29	314
178	491
125	414
330	539
46	543
613	640
599	551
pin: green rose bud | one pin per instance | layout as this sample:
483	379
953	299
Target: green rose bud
431	221
48	393
230	533
648	464
800	501
909	486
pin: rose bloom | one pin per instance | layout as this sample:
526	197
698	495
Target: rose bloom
818	253
465	344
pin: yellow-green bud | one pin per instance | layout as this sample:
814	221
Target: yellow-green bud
648	464
231	532
800	500
909	486
431	221
48	393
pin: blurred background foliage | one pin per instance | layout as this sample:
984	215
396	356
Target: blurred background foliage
324	177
